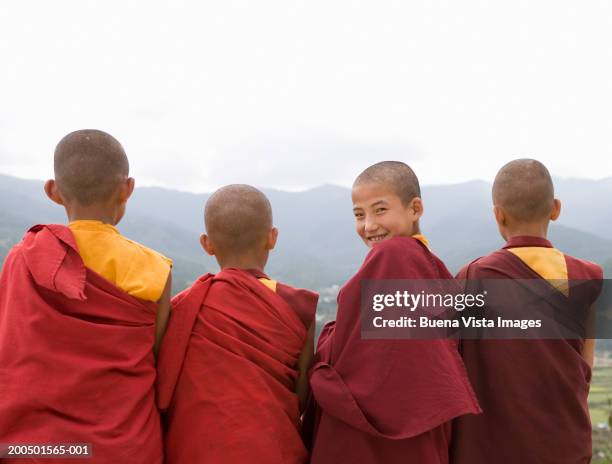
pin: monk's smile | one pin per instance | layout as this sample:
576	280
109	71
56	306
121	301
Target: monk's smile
377	238
380	214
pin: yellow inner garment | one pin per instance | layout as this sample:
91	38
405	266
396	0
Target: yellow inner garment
422	239
549	263
134	268
271	284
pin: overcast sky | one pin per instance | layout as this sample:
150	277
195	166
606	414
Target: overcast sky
294	94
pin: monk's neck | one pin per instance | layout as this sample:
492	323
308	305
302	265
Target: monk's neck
103	214
242	262
531	230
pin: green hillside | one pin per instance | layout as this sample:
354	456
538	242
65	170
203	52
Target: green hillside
600	404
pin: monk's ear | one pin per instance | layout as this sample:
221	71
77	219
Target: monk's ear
272	238
127	188
501	219
417	206
556	211
52	192
207	244
500	216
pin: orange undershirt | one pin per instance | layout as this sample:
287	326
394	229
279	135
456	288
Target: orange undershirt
134	268
549	263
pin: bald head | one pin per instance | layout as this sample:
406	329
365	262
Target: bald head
238	219
396	175
523	188
89	166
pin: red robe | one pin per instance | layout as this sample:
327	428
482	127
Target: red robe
227	371
533	392
386	401
76	356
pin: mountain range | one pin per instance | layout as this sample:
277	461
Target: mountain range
317	245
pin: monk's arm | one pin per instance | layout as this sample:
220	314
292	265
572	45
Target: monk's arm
163	312
588	351
303	366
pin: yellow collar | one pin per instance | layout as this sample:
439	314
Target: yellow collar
92	225
422	239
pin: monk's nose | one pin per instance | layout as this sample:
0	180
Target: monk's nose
370	225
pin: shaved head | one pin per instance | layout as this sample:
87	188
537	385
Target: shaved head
524	189
89	166
238	219
396	175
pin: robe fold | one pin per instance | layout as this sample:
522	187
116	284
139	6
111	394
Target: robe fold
386	401
228	370
533	392
76	356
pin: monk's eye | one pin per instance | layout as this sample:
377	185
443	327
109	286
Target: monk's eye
358	216
380	210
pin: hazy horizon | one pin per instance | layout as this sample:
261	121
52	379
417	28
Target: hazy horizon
313	187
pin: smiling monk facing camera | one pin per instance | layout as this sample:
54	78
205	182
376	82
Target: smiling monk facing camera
386	401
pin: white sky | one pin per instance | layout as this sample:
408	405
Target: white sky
294	94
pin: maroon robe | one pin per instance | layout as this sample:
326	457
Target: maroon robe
76	356
533	392
228	371
386	401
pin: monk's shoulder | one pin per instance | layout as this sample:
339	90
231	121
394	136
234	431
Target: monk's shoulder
179	297
15	266
303	301
14	254
396	258
583	269
398	248
286	289
483	266
136	250
141	271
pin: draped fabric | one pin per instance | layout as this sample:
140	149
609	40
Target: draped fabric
533	392
76	355
134	268
228	370
386	401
